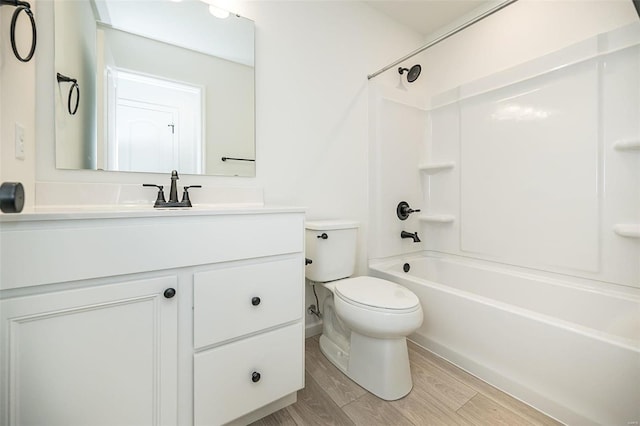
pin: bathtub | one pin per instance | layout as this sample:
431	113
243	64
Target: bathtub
568	347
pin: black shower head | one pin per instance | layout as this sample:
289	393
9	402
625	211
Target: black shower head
412	74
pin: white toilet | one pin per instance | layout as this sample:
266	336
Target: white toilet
365	319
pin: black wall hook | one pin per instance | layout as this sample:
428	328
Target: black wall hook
20	6
74	85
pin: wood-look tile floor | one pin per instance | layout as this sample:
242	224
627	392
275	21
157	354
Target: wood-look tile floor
442	394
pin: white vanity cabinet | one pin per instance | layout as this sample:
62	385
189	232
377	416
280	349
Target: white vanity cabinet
150	318
103	355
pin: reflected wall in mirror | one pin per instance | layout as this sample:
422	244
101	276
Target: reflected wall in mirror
163	85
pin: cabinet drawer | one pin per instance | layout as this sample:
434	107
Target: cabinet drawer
225	386
232	302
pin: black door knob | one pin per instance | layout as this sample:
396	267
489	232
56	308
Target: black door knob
169	293
255	377
255	301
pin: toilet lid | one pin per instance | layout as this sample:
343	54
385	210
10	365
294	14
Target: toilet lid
377	293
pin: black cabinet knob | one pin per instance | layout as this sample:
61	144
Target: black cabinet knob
255	301
169	293
255	377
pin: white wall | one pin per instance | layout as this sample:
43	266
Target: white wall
313	141
17	103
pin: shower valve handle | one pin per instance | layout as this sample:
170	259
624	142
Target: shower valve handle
403	210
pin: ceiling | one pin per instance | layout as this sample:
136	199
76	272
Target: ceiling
426	16
185	24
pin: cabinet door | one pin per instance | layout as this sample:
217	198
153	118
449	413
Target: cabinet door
103	355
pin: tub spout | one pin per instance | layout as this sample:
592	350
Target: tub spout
412	235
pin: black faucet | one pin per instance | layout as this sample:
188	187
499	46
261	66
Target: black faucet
414	236
173	193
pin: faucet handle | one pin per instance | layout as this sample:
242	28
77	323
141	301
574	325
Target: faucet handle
185	195
403	210
160	199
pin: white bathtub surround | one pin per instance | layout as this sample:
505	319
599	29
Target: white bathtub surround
542	181
437	218
433	168
538	179
630	230
627	145
567	346
398	123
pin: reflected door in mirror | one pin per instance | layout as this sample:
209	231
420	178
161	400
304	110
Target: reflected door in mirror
157	125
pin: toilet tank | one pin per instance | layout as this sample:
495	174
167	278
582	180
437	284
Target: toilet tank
333	257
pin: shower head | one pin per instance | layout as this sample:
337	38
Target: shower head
412	74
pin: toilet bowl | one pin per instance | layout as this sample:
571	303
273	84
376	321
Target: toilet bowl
365	319
377	308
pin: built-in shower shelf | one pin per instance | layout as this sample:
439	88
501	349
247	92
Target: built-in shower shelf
431	168
437	218
627	145
630	230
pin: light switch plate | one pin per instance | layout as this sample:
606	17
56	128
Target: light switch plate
19	141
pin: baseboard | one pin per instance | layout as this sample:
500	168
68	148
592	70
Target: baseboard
313	329
265	411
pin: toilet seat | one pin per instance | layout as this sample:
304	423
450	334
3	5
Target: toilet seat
377	294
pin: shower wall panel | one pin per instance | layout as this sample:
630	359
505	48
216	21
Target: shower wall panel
398	134
529	171
547	163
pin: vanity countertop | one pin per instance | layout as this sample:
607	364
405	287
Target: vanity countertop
142	211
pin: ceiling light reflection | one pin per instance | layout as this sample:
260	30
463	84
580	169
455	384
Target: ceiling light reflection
519	112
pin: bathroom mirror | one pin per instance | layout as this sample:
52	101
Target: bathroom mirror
152	86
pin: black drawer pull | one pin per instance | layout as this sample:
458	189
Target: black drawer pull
255	301
255	377
169	293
